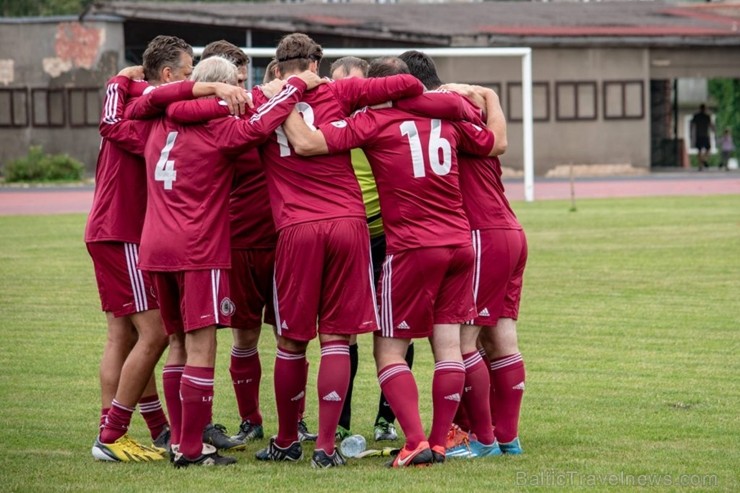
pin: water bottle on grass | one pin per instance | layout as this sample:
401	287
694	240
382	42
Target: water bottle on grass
353	445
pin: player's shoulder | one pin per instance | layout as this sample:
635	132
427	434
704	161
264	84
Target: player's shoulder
324	90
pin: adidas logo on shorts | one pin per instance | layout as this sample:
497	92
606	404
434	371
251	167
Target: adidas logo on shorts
332	396
284	325
403	325
484	313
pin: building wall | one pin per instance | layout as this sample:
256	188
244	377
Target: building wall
55	81
592	133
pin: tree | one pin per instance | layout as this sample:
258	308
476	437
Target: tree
726	93
29	8
21	8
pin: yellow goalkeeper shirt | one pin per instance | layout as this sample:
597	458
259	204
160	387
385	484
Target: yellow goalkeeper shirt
369	192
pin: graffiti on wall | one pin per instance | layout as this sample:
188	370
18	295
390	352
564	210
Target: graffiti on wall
75	46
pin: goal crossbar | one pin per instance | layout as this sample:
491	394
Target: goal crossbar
524	53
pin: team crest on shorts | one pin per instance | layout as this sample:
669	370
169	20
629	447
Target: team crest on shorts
227	307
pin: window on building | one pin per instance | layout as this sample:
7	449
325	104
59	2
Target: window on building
575	101
83	106
48	107
496	86
13	107
540	101
624	100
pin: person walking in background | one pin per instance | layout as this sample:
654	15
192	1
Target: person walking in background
701	123
727	147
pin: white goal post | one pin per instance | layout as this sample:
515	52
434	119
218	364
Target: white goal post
526	60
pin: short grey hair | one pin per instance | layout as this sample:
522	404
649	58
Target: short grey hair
348	63
215	69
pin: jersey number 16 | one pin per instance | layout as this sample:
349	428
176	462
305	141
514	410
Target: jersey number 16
440	162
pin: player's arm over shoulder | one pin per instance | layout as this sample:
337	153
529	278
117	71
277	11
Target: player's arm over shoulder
198	110
475	139
305	140
358	93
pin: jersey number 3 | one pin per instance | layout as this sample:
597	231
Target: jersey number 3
439	149
308	118
165	170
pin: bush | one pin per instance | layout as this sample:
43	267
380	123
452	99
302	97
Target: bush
38	166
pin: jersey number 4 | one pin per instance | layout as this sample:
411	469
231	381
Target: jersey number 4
438	150
165	170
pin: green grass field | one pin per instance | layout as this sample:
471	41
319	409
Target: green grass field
629	329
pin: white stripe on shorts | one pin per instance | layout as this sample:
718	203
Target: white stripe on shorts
387	306
372	290
215	279
276	306
475	237
136	278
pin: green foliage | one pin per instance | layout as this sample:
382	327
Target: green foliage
24	8
726	92
29	8
38	166
628	326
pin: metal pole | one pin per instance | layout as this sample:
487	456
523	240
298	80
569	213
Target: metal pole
527	127
250	66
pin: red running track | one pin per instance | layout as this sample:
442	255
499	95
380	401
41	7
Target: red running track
58	200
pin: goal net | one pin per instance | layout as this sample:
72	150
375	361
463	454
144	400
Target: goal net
525	55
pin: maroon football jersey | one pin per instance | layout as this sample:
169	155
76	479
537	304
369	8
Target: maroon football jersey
312	189
414	161
249	204
119	200
189	175
484	199
442	104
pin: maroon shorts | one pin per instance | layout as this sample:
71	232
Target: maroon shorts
251	277
193	299
123	288
323	273
423	287
500	258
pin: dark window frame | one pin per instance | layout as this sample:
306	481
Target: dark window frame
496	86
623	84
575	85
85	91
49	92
545	118
13	91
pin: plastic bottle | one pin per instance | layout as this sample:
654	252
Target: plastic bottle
353	445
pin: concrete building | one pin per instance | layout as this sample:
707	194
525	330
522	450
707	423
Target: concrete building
606	74
52	73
